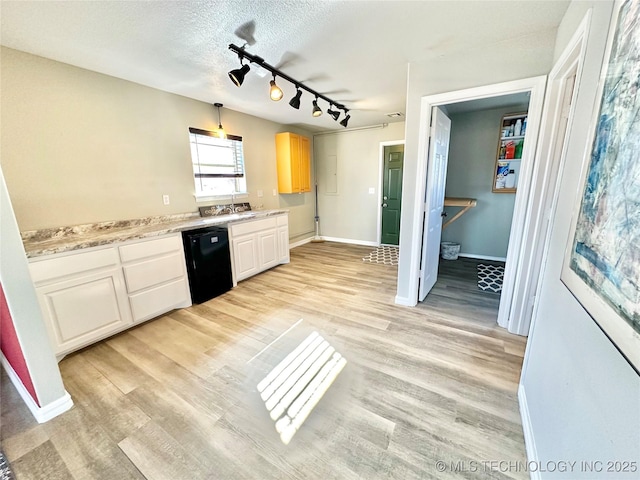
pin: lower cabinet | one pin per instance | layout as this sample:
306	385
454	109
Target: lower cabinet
84	308
89	295
257	245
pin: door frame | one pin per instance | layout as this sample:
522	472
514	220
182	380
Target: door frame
536	87
388	143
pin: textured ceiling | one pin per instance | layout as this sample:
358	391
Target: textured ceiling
355	52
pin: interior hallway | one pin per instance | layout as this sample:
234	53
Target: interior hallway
176	397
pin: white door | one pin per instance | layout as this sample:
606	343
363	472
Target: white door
434	200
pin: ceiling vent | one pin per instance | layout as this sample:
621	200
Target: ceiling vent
395	114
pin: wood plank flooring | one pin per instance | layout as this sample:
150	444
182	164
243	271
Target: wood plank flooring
176	398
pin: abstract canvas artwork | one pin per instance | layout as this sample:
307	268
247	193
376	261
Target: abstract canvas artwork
602	265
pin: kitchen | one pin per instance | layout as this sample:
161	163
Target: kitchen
83	147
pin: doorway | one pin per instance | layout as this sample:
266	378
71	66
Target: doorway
477	215
391	194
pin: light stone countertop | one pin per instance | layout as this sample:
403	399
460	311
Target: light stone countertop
64	239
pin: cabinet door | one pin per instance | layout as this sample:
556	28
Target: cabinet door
305	165
295	163
245	255
268	246
85	309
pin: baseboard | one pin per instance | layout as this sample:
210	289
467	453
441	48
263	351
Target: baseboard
405	301
529	441
300	242
41	414
348	240
483	257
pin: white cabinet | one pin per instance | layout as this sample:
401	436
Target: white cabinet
84	308
258	245
155	275
91	294
245	256
82	296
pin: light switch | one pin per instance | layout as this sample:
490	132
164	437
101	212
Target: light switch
372	190
165	199
274	192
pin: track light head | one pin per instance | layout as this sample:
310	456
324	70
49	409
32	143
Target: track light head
295	101
334	113
237	75
345	120
317	111
275	92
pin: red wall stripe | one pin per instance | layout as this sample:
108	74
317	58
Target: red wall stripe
11	348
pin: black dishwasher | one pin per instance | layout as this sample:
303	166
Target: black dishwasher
208	262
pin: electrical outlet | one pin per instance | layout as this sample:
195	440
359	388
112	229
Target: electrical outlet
372	190
260	194
165	199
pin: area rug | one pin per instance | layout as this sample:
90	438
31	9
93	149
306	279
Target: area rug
5	470
490	277
385	255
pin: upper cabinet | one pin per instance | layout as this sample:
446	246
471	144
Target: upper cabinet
511	141
293	154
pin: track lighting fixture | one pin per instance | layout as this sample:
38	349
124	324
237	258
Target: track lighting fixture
220	132
334	113
317	111
295	101
237	75
275	92
345	120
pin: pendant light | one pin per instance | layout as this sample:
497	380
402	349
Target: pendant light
275	92
220	132
317	111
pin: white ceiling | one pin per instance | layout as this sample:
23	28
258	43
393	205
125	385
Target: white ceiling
355	52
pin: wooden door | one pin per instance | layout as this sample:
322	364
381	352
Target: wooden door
392	194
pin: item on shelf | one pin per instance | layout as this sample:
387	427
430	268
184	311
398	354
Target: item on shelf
502	150
501	174
524	127
510	180
512	128
518	128
519	146
510	151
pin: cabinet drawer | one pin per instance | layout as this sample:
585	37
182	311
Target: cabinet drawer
150	248
282	220
153	272
253	226
153	302
53	268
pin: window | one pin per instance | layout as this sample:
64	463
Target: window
218	164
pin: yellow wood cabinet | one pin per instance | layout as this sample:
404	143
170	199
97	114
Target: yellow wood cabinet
293	154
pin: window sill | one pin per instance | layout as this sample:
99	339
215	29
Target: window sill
217	198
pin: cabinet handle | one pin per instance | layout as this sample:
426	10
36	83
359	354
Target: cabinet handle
384	204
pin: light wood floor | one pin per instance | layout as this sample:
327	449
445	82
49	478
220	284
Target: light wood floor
175	398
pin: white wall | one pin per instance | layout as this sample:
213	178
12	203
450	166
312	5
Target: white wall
583	398
352	212
483	230
82	147
23	305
